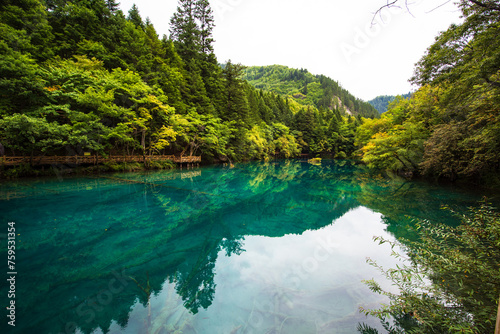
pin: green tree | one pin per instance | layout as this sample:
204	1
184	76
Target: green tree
462	266
236	104
185	31
24	28
112	5
462	67
135	17
399	149
285	143
306	121
31	136
205	17
22	87
74	22
203	132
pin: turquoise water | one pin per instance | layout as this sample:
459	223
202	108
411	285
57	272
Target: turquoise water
259	248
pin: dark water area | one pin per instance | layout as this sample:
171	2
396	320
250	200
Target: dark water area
275	247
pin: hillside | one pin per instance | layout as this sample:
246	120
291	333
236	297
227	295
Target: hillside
308	89
117	88
381	103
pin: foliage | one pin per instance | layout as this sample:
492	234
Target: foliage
18	171
82	76
399	149
455	111
284	142
449	283
123	166
307	89
29	134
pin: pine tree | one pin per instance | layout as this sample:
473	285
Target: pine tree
185	31
205	17
135	17
112	5
25	28
236	100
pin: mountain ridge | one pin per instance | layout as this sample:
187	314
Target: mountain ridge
381	102
306	89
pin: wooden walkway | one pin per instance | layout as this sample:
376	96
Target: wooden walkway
93	160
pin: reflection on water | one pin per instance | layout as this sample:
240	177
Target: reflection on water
260	248
309	283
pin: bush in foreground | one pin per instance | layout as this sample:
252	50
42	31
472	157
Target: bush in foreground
450	281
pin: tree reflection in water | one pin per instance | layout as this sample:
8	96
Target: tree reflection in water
89	249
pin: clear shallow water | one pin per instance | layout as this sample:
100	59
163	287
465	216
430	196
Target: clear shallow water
260	248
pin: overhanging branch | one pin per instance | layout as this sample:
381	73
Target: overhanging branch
487	5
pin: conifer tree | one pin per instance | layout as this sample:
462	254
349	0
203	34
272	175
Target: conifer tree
205	17
135	17
112	5
185	31
236	100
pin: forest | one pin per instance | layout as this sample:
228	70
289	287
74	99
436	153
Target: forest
83	77
450	127
305	89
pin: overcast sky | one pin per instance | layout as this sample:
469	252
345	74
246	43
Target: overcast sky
331	37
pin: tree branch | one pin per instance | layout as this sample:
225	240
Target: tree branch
493	83
441	5
486	5
388	5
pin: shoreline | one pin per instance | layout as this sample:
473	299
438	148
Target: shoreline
12	173
26	171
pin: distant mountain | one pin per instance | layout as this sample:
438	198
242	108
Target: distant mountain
381	103
308	89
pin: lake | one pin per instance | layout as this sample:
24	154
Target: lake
277	247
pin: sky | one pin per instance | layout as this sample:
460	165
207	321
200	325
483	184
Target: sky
369	55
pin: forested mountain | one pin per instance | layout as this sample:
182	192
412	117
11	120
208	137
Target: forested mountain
306	89
450	128
82	76
381	103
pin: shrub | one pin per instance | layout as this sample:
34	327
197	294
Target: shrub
451	284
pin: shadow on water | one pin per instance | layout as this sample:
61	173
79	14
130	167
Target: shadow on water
89	250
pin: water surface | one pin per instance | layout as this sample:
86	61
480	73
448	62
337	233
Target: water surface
259	248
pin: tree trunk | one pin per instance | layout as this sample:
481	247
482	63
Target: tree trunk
143	141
